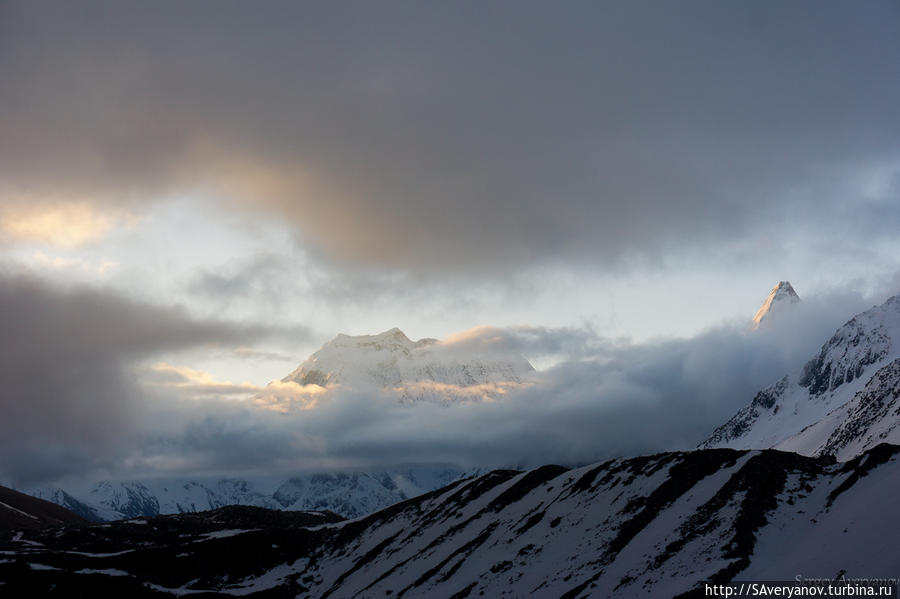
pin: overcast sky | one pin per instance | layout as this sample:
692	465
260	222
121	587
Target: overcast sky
211	190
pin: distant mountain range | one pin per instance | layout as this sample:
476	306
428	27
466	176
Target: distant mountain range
660	525
349	494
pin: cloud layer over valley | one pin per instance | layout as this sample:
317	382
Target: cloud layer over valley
82	400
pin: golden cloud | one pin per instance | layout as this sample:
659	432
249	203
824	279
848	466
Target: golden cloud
191	383
66	224
450	393
284	397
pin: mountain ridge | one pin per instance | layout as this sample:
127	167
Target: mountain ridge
662	524
798	412
348	493
426	369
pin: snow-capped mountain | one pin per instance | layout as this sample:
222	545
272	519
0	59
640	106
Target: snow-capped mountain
656	525
115	500
354	494
130	499
781	299
660	525
414	370
842	391
350	494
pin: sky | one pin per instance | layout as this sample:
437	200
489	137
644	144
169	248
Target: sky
195	196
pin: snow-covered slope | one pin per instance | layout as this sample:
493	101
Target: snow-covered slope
133	498
843	367
649	526
350	494
354	494
414	370
870	418
115	500
781	299
658	525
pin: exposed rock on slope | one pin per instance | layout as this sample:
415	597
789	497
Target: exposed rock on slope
653	525
870	418
791	407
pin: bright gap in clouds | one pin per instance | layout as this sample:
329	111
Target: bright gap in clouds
220	263
65	224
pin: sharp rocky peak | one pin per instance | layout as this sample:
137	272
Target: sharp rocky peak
782	295
834	401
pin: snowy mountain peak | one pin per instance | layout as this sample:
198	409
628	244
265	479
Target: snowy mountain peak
392	340
781	297
415	370
844	384
390	337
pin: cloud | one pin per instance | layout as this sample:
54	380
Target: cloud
181	383
45	261
435	139
191	383
256	279
64	224
69	400
570	343
411	148
249	353
618	398
289	396
78	402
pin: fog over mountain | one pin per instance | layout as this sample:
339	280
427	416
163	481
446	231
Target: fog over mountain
841	402
601	398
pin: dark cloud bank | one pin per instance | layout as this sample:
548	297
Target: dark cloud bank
72	404
465	136
69	400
